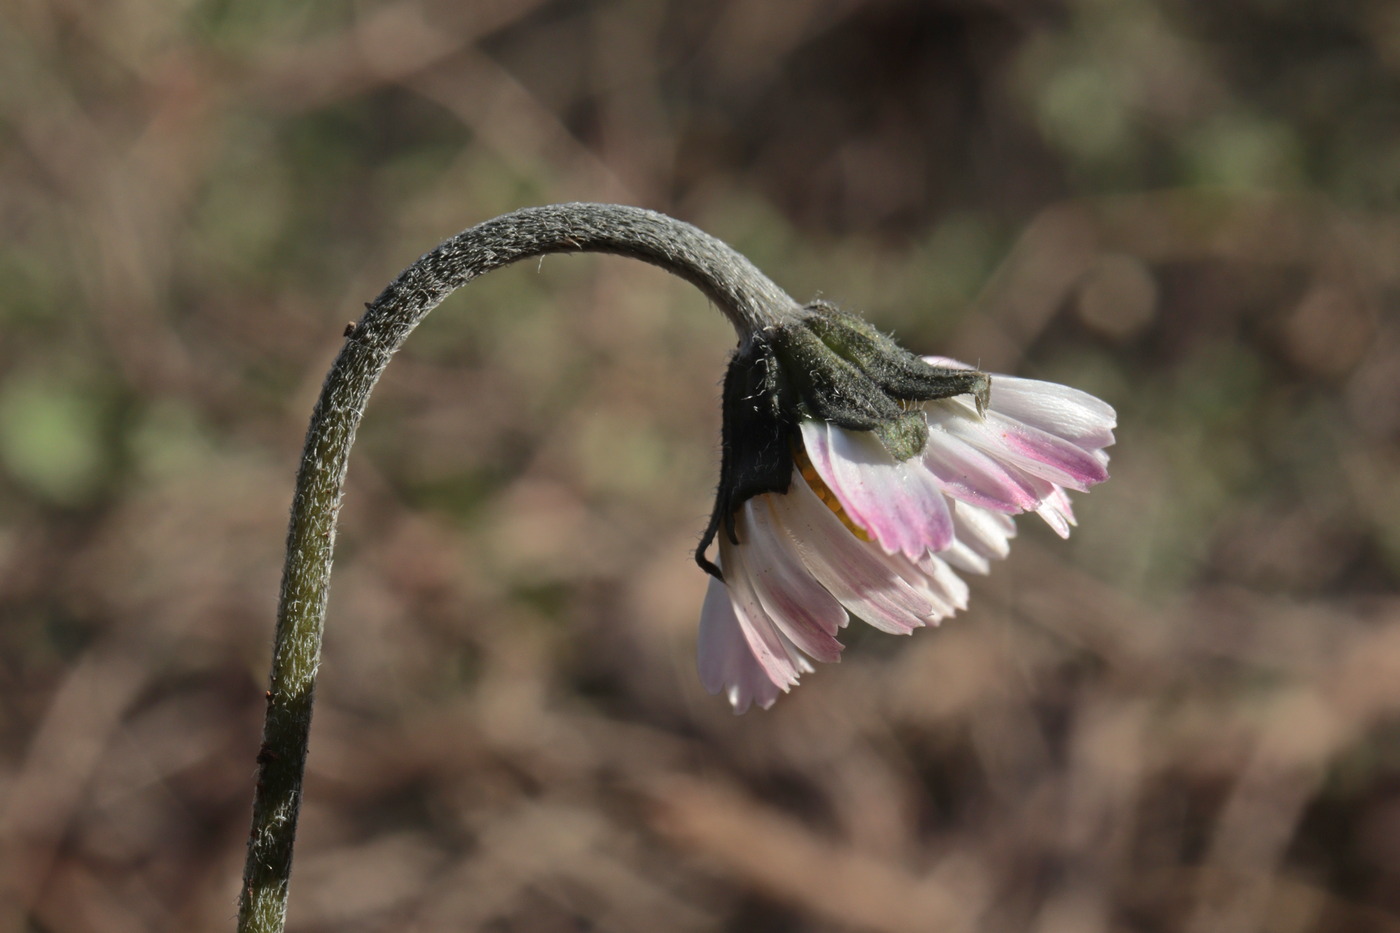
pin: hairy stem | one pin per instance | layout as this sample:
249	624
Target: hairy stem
745	295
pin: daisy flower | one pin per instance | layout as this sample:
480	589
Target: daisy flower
860	480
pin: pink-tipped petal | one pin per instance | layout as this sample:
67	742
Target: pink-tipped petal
760	633
803	610
1028	450
1076	416
850	569
897	565
1045	437
1047	456
897	503
969	475
724	660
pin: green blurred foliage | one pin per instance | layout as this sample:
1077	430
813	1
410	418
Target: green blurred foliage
50	438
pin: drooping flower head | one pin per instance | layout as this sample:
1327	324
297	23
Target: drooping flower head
859	479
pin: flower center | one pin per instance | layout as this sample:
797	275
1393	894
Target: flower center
824	493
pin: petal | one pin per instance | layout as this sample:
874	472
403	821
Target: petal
898	503
986	533
944	581
724	659
941	607
1043	454
970	475
1065	414
961	557
850	569
1057	512
803	610
1060	410
946	361
799	660
1029	450
760	633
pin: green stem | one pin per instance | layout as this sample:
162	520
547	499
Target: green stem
749	299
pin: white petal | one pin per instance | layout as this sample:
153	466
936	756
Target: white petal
985	532
962	557
947	362
945	581
1057	512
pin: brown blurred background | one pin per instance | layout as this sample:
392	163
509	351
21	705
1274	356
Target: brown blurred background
1185	718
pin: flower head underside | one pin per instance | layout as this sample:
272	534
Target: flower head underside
861	480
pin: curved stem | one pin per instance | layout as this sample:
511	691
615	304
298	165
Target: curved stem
749	299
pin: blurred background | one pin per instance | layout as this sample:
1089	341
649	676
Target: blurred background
1185	718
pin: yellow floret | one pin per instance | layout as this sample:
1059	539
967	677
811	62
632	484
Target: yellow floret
824	493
